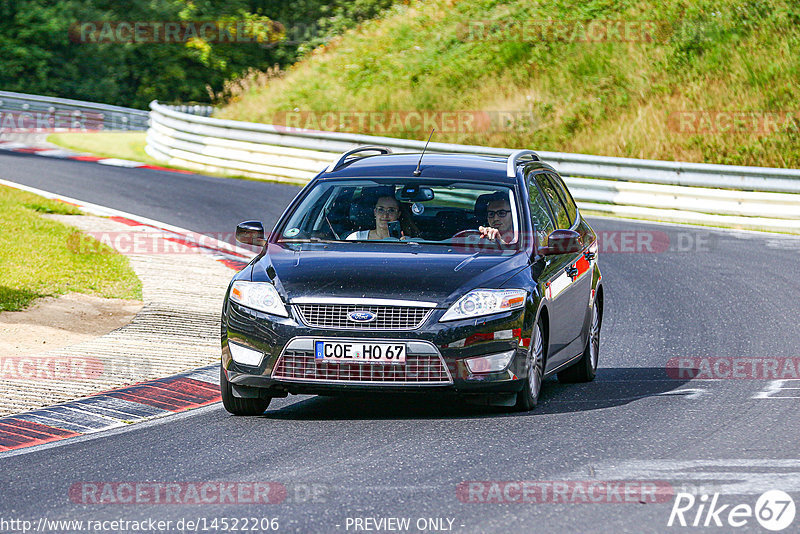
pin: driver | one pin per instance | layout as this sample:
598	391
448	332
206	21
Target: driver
500	223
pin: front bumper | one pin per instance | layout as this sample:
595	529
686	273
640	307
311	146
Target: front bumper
446	345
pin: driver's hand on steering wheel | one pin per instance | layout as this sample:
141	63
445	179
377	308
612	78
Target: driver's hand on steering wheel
490	233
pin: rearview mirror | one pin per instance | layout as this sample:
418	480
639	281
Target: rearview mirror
413	193
251	233
562	242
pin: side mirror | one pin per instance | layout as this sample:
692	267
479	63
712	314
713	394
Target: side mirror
562	242
251	233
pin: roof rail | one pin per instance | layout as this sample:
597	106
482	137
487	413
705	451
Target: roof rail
513	160
368	148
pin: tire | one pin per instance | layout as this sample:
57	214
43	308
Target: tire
236	405
528	397
586	368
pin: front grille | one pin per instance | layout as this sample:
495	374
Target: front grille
387	317
300	365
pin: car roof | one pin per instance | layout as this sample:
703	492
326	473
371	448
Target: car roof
473	167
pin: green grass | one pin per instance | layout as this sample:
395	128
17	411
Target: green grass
41	257
122	145
610	98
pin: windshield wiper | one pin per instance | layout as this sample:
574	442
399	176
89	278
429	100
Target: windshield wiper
309	240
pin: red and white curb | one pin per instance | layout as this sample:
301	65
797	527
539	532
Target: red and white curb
13	146
111	409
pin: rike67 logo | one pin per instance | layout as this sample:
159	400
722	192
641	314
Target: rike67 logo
774	510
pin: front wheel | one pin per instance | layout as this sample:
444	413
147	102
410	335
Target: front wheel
528	397
586	368
236	405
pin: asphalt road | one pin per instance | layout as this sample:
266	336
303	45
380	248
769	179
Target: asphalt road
713	294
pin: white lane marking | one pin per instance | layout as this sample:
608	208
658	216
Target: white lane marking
672	380
689	393
120	163
776	386
56	153
726	476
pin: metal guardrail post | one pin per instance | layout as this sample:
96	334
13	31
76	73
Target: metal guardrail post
23	112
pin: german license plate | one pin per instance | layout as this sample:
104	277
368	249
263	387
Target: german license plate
357	352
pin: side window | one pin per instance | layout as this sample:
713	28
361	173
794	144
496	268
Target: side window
539	214
564	194
559	211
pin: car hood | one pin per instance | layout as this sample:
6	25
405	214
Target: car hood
394	271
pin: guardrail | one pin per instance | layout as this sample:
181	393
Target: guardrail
718	195
30	113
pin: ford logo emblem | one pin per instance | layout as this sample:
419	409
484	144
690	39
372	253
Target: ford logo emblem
361	316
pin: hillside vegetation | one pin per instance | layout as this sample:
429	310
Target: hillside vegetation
733	64
86	49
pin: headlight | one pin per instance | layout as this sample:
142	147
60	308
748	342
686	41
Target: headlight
485	302
261	296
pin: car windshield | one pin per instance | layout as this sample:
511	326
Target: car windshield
405	211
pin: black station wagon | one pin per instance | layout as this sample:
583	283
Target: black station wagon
391	273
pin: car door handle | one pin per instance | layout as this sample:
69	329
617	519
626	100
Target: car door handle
571	271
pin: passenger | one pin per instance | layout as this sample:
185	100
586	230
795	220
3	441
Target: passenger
500	223
387	210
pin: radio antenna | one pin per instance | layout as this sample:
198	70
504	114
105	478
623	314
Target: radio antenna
417	172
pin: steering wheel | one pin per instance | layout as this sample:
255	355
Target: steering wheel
467	233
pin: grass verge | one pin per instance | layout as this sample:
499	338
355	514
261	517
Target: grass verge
39	256
122	145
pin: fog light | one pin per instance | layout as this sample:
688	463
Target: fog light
245	355
491	363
